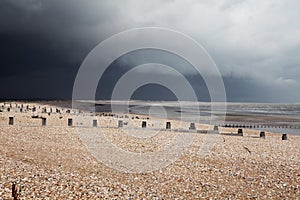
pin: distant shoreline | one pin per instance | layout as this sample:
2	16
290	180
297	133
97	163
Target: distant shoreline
280	118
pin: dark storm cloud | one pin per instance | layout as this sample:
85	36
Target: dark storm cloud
152	91
255	44
43	44
64	28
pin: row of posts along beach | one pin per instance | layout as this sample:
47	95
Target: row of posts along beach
41	112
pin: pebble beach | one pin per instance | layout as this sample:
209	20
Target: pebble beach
53	162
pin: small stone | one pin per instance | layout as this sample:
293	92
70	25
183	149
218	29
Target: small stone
284	184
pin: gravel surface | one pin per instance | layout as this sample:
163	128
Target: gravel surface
52	162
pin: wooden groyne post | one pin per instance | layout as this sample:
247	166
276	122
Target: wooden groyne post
168	125
240	132
95	123
284	136
216	129
192	126
44	121
262	135
70	122
144	124
120	123
11	120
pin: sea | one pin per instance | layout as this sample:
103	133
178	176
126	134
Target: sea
273	117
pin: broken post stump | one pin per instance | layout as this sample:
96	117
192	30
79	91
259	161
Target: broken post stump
15	191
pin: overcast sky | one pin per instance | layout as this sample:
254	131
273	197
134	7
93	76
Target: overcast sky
255	44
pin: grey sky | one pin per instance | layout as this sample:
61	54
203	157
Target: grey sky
255	44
